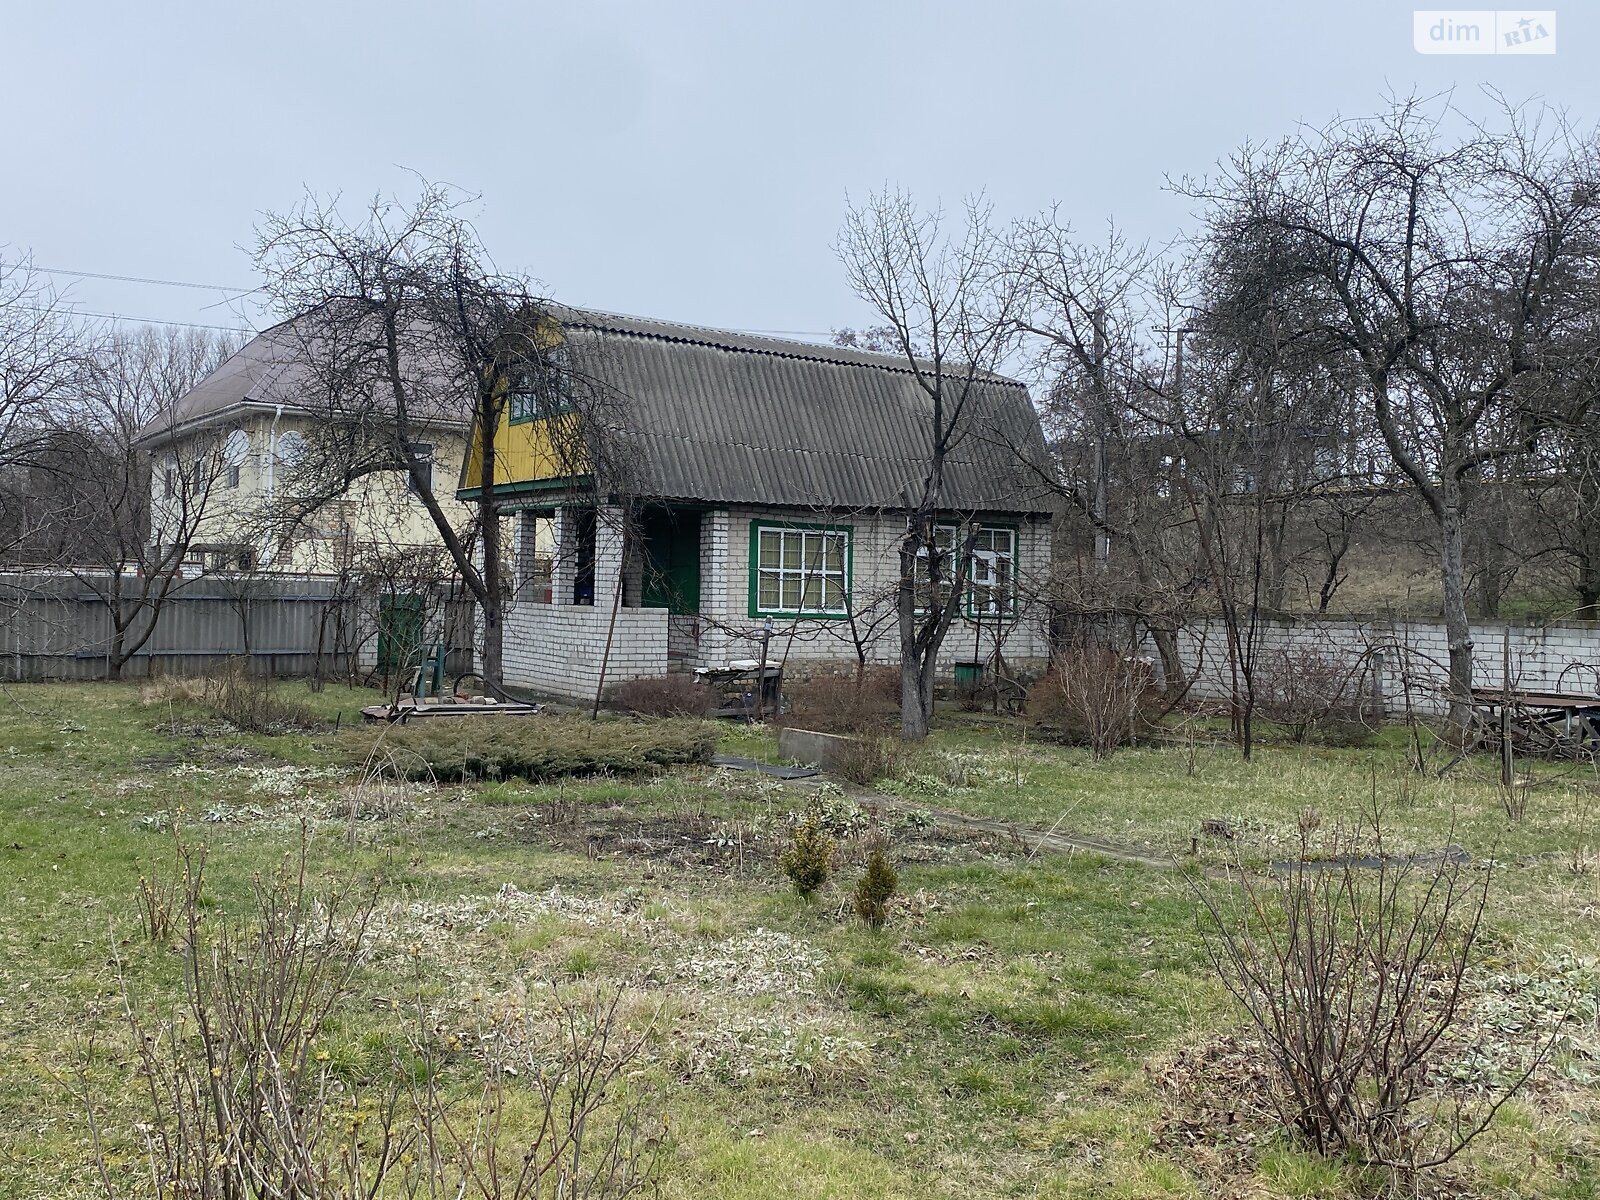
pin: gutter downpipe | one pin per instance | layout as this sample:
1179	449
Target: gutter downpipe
267	553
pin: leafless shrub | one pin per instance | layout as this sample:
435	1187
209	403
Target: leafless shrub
241	1098
867	701
248	702
1352	965
1092	696
665	696
560	811
587	1136
865	760
383	789
1582	858
161	896
1301	688
1514	796
172	689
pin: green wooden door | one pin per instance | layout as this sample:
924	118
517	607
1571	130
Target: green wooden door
399	630
671	544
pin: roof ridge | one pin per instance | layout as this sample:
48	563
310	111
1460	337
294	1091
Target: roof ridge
739	341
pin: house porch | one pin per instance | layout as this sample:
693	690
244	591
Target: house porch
591	591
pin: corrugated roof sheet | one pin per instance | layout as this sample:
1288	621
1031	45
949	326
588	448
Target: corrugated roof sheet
736	418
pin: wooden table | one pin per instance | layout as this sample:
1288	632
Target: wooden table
1540	722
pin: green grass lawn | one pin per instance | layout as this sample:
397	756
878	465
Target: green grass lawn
1007	1034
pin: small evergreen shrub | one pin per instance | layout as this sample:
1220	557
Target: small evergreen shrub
876	888
808	858
463	749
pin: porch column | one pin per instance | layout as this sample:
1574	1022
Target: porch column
608	555
717	598
564	567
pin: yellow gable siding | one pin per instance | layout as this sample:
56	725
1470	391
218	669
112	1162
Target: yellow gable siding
527	451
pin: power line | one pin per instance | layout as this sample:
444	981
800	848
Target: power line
242	291
208	287
84	312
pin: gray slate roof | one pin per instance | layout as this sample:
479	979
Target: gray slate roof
725	417
738	418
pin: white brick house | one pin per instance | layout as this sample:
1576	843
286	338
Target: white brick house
766	481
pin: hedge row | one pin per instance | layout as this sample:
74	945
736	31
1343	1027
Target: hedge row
453	749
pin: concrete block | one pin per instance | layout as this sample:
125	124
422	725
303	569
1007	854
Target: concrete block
807	746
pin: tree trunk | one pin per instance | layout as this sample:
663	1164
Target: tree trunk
1458	632
1588	588
913	716
119	654
493	628
1171	661
930	667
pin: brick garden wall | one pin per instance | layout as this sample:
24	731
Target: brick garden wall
1391	656
557	648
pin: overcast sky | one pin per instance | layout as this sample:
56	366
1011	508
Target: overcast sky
689	161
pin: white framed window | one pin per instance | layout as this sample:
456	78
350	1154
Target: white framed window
800	570
422	454
291	448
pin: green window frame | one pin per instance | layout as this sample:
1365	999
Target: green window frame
801	570
535	391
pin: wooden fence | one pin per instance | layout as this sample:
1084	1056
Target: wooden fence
57	626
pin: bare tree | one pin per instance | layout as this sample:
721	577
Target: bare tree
398	324
42	352
1432	267
124	527
1563	490
1561	481
1094	319
946	309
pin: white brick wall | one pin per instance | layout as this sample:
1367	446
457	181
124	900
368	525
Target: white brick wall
1543	657
557	648
728	631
